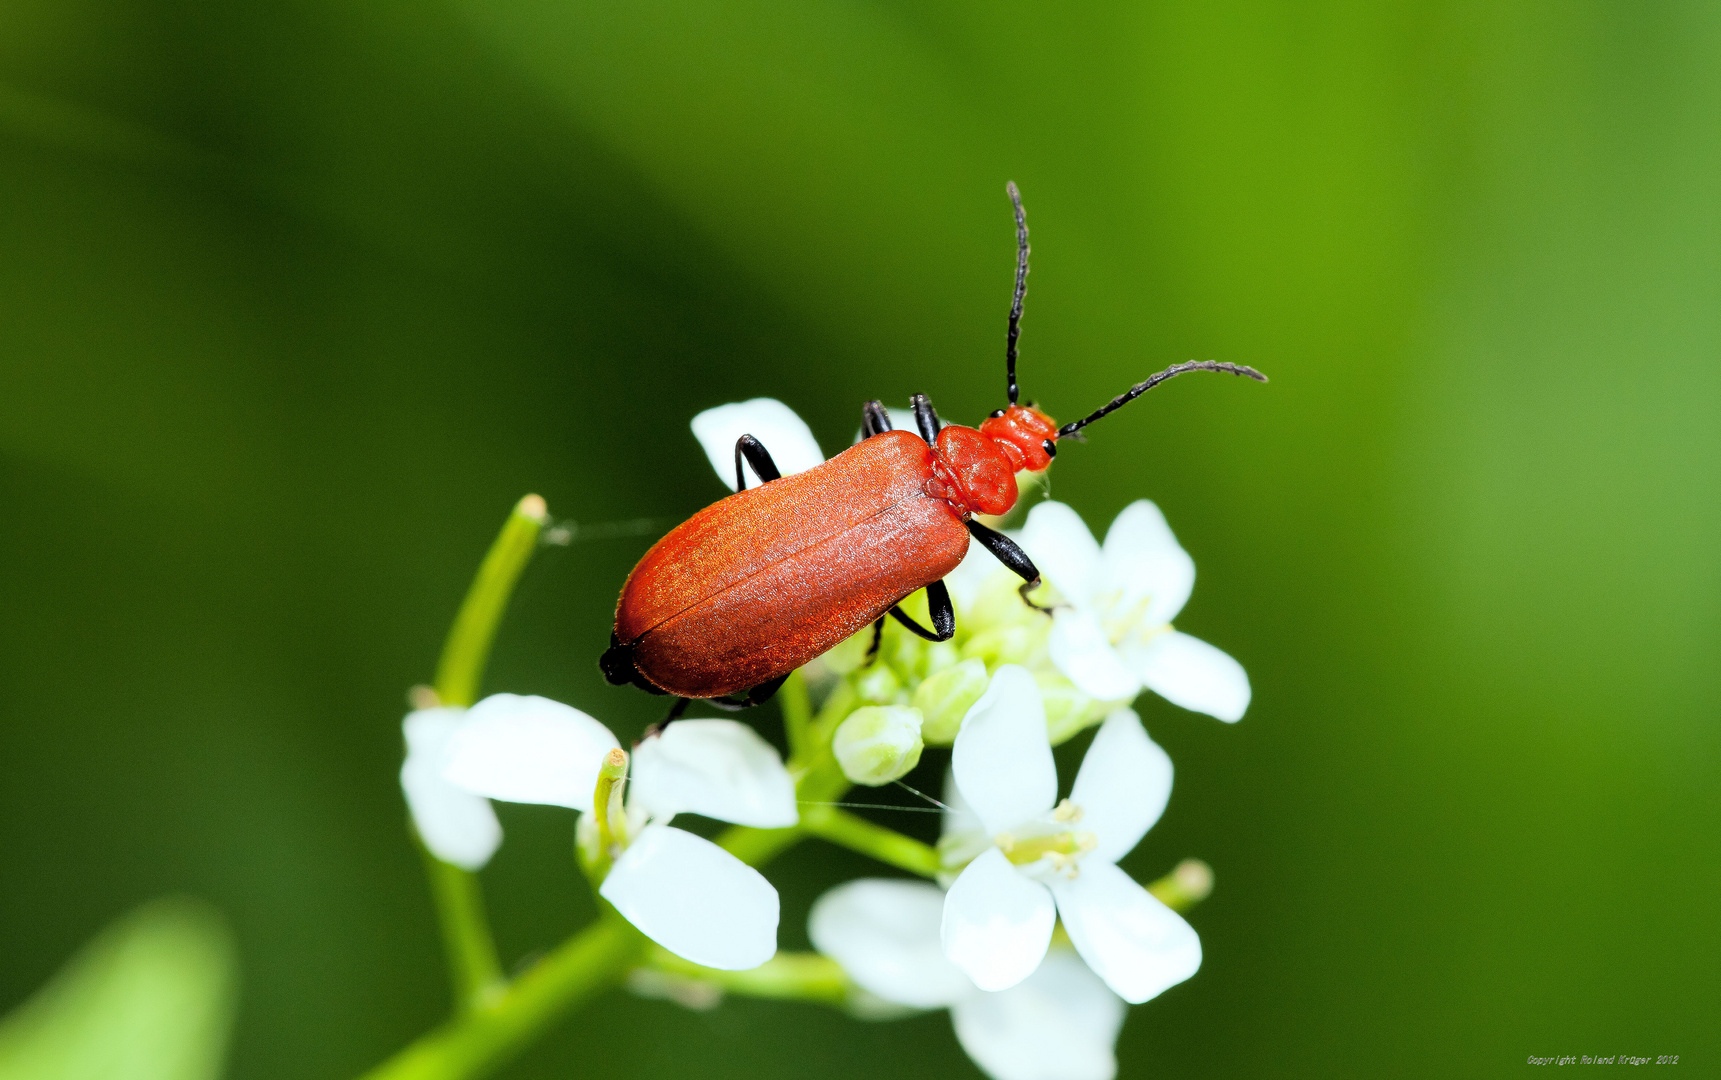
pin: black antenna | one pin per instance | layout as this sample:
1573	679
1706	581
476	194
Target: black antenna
1152	381
1021	290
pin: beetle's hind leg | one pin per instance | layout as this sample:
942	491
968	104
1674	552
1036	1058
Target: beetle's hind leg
943	615
875	420
757	456
757	696
675	712
1007	552
877	640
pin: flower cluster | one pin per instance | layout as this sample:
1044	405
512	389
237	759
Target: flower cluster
1027	931
681	890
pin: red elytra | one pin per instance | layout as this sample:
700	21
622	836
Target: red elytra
752	587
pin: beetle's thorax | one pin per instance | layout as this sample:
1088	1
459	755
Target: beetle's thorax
974	470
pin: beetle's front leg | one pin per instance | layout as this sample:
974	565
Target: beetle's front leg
1007	552
943	615
874	420
757	456
925	418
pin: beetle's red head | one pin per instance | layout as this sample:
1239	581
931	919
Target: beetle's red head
977	469
1026	435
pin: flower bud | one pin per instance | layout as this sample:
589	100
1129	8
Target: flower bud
1068	710
1012	643
998	602
878	743
1189	883
945	698
878	684
903	652
939	656
849	654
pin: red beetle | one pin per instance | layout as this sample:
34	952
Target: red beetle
752	587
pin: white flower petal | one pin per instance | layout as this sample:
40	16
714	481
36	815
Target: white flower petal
719	768
958	816
1189	672
457	826
528	750
885	934
1140	947
1123	785
1002	759
1080	649
997	922
695	899
773	423
1144	561
1065	552
961	836
1061	1023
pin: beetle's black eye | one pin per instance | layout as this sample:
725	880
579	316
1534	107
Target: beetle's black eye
996	413
1050	447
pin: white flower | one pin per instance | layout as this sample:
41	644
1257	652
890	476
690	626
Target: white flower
774	424
681	890
1113	636
1060	1023
1033	861
457	826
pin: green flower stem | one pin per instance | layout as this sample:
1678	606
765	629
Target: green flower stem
473	969
466	937
467	649
483	1039
858	834
756	847
797	714
594	959
842	700
786	976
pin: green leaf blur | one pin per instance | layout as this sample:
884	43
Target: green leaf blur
296	300
149	999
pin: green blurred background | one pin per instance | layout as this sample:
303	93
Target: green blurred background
297	299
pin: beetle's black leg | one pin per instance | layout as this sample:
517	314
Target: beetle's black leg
924	418
874	420
1027	587
675	712
758	695
877	638
943	615
757	456
1005	550
765	691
